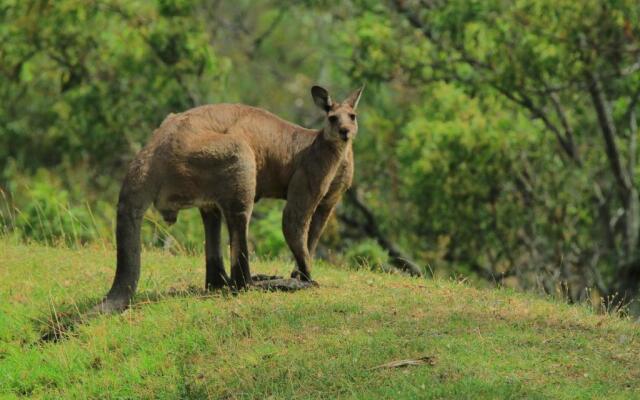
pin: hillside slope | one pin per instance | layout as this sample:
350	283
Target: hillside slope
324	342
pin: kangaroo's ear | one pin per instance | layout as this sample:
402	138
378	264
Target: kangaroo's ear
321	98
354	98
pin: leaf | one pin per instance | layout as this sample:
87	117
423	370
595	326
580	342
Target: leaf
426	360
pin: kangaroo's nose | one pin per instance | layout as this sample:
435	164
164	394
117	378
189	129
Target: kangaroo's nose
344	132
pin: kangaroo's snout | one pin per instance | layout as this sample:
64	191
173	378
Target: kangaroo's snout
344	133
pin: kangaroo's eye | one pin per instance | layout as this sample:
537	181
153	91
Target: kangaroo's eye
352	116
333	119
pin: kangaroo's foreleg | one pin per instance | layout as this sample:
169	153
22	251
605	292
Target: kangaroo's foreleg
295	226
216	276
318	223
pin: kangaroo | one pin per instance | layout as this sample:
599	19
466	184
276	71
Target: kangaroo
223	158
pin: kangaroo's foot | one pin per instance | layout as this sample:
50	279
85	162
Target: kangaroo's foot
110	306
218	281
212	286
297	274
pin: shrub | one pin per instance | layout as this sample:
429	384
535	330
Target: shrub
367	254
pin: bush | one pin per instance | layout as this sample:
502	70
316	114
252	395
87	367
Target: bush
45	213
367	254
266	232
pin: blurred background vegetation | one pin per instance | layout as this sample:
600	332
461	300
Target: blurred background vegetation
498	139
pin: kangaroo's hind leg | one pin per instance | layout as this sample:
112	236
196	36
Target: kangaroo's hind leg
236	189
238	224
216	276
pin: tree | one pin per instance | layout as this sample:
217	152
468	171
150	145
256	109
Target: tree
88	81
572	66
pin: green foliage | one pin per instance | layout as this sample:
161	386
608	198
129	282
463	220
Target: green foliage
479	148
490	140
88	81
49	215
266	232
47	218
367	254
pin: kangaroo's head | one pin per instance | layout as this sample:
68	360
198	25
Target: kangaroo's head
341	122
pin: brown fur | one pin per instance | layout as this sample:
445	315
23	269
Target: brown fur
222	158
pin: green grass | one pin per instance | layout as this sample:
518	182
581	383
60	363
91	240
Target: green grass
177	342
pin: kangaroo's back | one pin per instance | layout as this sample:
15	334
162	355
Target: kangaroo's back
260	127
203	131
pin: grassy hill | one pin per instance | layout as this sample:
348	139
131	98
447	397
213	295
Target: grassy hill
326	342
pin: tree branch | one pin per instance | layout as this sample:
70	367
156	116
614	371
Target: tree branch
371	229
568	130
566	143
608	129
412	18
633	143
274	24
